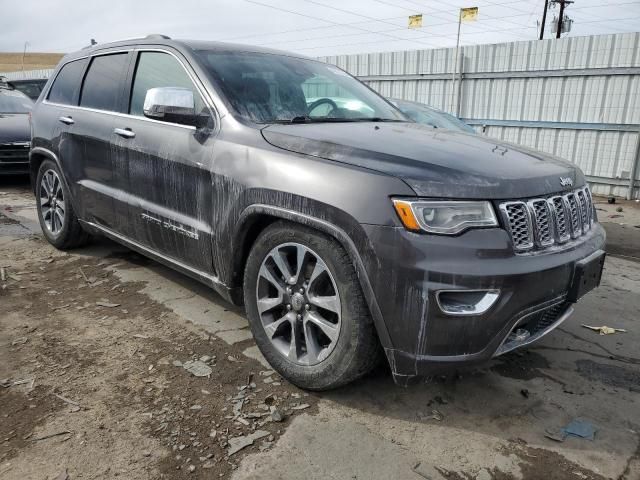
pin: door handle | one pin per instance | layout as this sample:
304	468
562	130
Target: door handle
124	132
66	120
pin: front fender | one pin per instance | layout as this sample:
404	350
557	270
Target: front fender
329	220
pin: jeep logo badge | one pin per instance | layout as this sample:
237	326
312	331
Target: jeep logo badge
566	182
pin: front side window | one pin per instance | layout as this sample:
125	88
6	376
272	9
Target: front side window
103	81
67	83
155	70
12	101
268	88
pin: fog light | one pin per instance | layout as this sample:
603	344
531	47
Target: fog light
466	302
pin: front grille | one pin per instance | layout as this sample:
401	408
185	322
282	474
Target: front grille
14	153
541	222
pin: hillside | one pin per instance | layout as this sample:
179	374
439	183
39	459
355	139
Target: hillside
12	62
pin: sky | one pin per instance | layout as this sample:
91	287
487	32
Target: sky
309	27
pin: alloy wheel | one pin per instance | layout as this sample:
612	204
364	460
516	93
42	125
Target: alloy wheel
52	203
299	304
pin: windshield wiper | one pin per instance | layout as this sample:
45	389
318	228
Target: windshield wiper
307	119
376	119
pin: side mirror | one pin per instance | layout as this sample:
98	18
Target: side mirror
173	104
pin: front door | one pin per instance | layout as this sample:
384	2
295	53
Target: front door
168	166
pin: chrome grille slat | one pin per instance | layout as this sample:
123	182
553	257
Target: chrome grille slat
519	223
560	218
574	214
540	222
584	210
592	212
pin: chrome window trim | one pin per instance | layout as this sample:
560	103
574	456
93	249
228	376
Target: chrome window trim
117	114
197	83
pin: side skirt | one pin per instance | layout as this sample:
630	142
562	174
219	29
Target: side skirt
203	277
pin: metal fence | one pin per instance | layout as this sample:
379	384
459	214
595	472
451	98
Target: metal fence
27	74
576	97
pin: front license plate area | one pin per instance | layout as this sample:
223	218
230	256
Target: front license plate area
586	276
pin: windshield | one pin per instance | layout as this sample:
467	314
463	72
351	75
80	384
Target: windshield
267	88
429	116
14	102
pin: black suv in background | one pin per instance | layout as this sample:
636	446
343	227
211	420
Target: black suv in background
345	228
15	134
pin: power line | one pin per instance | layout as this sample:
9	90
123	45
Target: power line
404	29
468	34
327	21
334	24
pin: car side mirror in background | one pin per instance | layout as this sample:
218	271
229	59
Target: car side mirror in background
173	104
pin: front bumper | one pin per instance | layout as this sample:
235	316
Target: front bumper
14	158
409	270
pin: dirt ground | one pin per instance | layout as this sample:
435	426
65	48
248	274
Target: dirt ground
90	385
95	345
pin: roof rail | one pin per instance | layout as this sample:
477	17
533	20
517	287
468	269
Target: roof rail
158	36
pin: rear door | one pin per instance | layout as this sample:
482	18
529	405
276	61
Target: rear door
55	119
101	98
168	165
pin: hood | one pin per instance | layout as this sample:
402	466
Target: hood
433	162
14	127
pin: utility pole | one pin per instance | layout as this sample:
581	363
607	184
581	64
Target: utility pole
544	18
560	20
24	52
455	63
559	29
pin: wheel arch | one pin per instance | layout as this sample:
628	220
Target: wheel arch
255	218
37	155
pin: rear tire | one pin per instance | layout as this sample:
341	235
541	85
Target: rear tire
324	310
58	220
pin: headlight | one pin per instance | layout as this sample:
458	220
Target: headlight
445	217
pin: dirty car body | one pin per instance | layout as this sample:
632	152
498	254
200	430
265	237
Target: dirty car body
501	240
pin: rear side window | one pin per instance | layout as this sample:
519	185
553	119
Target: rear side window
67	83
157	69
102	83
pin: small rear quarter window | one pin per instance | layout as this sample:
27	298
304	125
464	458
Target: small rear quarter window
67	83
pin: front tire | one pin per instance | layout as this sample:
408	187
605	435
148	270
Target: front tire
58	220
306	308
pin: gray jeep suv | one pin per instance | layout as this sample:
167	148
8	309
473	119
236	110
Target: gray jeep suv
346	230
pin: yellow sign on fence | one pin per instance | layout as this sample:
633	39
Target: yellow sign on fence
415	21
469	14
